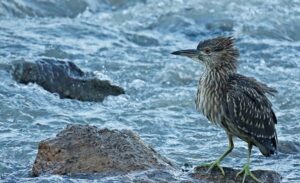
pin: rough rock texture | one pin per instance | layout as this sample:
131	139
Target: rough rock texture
215	175
64	78
86	149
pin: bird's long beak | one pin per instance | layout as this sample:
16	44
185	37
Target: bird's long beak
188	53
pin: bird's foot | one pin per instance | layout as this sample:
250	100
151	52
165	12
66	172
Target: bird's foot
212	165
246	171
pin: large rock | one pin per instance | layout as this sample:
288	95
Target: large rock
64	78
266	176
86	149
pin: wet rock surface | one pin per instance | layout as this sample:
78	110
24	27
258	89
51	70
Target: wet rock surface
266	176
87	149
93	153
64	78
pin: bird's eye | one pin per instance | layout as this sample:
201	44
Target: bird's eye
207	50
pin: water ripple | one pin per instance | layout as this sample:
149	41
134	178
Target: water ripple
129	42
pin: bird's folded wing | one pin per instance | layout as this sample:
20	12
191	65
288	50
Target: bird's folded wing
250	110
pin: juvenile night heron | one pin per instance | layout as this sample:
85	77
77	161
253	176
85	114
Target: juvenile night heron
232	101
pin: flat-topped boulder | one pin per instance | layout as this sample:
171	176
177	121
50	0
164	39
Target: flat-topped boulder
87	149
65	79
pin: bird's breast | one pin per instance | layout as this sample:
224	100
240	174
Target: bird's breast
208	102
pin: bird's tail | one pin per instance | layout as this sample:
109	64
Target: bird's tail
267	146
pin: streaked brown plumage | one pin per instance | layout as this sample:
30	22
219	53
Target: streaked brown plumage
232	101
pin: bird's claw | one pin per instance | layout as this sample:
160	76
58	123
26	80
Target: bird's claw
212	165
246	171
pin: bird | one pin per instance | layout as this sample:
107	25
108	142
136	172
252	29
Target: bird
232	101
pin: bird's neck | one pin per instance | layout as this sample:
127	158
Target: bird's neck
223	67
215	79
219	75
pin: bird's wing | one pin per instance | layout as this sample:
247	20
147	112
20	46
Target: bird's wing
246	105
250	82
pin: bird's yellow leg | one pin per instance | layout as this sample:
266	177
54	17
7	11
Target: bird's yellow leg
218	161
246	169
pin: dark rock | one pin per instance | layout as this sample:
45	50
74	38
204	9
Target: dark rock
266	176
64	78
86	149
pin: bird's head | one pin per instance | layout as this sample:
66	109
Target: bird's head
213	53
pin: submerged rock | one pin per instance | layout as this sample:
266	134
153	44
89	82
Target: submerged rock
266	176
86	149
64	78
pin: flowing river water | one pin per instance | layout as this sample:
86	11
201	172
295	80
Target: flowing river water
129	43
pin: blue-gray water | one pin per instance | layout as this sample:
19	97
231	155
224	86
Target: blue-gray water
129	42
